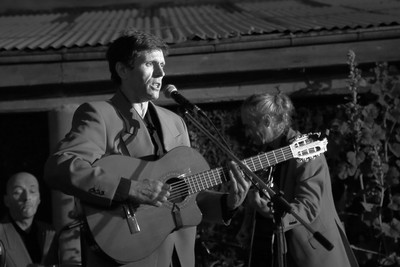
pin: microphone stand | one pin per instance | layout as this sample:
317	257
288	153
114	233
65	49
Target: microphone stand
280	236
277	199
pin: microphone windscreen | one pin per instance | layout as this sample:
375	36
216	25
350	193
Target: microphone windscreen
168	89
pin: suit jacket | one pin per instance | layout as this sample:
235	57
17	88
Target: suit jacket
16	253
104	128
307	186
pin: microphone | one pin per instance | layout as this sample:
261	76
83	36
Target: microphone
170	91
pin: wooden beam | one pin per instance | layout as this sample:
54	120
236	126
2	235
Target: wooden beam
211	63
200	95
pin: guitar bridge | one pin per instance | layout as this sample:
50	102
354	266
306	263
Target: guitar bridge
131	219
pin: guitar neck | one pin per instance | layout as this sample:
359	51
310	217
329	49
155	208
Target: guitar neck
208	179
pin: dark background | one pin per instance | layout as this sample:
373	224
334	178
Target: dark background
24	142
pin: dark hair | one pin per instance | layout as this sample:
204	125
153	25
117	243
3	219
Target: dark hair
128	46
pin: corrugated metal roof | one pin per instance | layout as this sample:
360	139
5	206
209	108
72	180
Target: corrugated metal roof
182	23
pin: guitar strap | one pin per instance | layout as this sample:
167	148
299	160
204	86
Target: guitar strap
124	135
153	126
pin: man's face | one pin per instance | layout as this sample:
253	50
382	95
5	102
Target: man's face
258	128
23	196
143	82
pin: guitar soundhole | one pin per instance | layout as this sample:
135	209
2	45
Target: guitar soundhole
179	190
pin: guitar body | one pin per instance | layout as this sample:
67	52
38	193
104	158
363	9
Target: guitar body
109	226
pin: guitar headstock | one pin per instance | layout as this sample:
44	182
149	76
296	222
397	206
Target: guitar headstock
308	146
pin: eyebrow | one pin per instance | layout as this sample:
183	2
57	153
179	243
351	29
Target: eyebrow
29	186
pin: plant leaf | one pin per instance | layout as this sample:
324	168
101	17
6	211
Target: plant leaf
395	149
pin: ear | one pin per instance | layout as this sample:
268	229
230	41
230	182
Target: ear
266	120
121	69
6	201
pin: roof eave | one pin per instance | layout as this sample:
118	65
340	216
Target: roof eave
201	47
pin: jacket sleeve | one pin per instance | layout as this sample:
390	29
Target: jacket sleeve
69	169
307	190
211	206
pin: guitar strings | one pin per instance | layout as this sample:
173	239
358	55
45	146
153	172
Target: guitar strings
195	184
266	159
187	185
181	188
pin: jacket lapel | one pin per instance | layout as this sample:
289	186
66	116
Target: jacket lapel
135	136
15	247
136	139
46	241
168	127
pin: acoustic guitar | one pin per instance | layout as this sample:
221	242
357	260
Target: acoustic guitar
128	232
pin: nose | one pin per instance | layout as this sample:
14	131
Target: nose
158	71
24	196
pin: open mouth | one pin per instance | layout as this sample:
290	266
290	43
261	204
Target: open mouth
156	86
26	207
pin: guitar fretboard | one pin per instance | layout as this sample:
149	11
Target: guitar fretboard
208	179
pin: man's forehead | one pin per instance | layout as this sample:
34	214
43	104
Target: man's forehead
22	179
154	53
